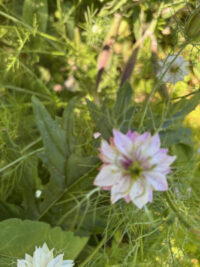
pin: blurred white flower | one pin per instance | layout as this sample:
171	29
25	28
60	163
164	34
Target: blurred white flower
134	166
176	72
96	29
43	257
70	84
96	135
38	193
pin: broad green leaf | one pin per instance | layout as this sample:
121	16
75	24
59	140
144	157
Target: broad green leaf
77	166
36	9
176	136
8	210
137	22
125	121
68	125
121	115
55	156
53	137
180	109
26	187
184	157
123	110
124	95
18	237
100	119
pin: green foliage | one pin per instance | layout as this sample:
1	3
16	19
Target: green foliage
36	12
50	59
24	236
55	145
119	117
101	119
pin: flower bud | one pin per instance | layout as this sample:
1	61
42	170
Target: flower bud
192	28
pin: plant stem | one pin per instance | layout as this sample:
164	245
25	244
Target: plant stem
21	158
175	209
159	83
94	252
88	195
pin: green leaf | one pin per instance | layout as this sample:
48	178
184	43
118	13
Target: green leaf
101	119
123	111
36	9
176	136
124	95
68	125
53	137
137	22
27	187
185	157
121	115
55	156
78	166
18	237
179	110
8	210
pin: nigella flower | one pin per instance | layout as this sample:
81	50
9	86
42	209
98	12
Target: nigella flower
43	257
176	71
134	166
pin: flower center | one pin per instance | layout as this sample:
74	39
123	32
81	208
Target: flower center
135	170
174	69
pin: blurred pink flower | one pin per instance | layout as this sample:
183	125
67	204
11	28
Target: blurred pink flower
57	88
134	166
74	67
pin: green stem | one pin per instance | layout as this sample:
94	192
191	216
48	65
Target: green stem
159	83
88	195
176	211
94	252
21	158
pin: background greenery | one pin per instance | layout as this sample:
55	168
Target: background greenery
62	64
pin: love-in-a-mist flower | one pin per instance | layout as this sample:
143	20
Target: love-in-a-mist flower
134	166
176	72
43	257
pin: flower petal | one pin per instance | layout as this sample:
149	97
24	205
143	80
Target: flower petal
140	193
131	135
161	158
23	263
120	189
156	142
157	180
108	176
122	142
108	153
68	263
56	262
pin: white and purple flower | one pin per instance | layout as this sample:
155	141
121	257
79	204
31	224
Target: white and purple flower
134	166
43	257
176	72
